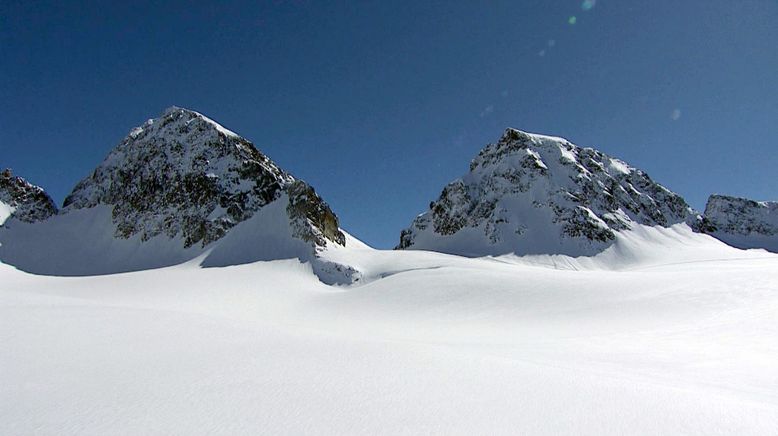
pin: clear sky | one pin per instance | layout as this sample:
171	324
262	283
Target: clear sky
378	104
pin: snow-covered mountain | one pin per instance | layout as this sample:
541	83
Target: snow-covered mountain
177	187
741	222
534	194
22	200
184	175
661	331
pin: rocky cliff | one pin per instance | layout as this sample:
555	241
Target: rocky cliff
741	222
22	200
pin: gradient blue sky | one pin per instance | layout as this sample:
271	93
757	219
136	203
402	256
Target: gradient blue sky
378	104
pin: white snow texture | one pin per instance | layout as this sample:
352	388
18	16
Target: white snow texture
586	305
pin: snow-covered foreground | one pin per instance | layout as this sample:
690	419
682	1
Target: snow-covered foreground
429	343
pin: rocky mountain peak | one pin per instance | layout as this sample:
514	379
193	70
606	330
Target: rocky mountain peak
23	200
742	222
184	175
536	194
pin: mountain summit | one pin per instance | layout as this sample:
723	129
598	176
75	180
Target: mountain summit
184	175
178	187
23	200
742	223
535	194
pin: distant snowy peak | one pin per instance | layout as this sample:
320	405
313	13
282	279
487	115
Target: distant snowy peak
184	175
535	194
741	222
23	200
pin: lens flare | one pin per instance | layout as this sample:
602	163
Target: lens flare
572	20
587	5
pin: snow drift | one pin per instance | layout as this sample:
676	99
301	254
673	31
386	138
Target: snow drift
429	343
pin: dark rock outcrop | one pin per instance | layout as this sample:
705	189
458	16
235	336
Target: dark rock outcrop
741	222
29	203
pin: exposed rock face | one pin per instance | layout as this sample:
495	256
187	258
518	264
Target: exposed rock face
183	175
23	200
533	194
312	219
741	222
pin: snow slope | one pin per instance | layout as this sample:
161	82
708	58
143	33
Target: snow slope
83	242
5	212
231	303
679	338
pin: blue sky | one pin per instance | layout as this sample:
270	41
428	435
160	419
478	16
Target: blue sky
378	104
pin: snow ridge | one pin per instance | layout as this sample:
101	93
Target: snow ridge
536	194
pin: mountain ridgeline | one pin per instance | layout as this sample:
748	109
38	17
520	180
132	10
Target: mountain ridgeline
181	187
741	222
175	188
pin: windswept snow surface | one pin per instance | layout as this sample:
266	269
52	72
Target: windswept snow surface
674	334
82	243
5	212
